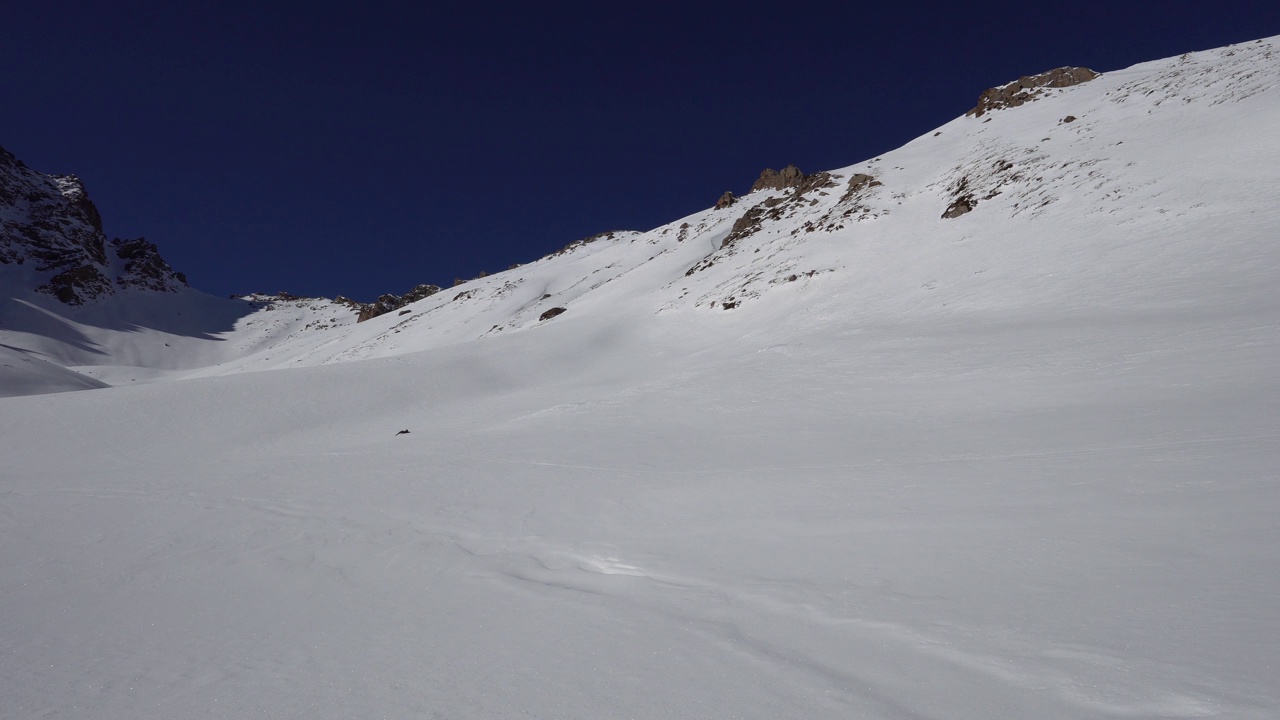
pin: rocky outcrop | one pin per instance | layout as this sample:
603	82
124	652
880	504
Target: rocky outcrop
959	207
745	226
73	190
857	183
813	182
1028	88
49	222
789	177
77	284
387	303
143	266
962	199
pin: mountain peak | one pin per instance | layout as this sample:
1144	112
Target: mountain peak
72	188
49	225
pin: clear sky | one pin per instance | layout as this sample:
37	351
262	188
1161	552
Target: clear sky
360	148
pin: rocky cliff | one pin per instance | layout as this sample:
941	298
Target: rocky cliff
49	224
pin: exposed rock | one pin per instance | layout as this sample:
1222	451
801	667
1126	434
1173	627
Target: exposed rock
961	206
813	182
772	208
144	268
858	181
551	313
387	303
726	200
744	226
383	305
49	221
76	285
73	190
963	199
419	292
789	177
1028	88
1069	119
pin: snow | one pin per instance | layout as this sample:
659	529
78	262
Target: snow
22	374
1020	463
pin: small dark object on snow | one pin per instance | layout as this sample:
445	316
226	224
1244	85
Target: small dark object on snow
402	432
551	313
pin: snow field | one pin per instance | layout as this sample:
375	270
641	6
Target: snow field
1020	463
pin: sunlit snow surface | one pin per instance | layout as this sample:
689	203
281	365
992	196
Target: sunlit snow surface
1017	464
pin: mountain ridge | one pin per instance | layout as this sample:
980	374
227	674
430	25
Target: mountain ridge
1016	166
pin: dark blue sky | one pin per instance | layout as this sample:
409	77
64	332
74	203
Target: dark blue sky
337	148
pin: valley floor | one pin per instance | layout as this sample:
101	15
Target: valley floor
1056	517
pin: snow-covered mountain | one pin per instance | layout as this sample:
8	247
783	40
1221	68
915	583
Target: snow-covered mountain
987	426
982	210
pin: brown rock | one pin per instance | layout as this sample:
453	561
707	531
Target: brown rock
726	200
386	303
744	226
860	180
790	176
959	207
1028	88
551	313
813	182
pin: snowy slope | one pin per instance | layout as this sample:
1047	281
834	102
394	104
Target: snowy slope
1016	463
146	336
21	374
1180	144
